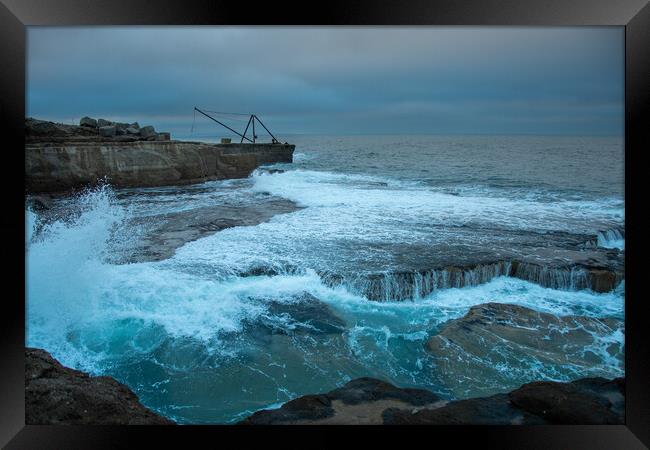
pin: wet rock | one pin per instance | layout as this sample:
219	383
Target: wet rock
361	401
307	408
174	230
494	410
147	131
503	342
304	315
55	394
575	277
595	269
39	203
363	390
372	401
300	316
588	401
88	122
108	131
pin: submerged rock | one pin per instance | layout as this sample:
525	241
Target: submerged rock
55	394
495	341
372	401
304	315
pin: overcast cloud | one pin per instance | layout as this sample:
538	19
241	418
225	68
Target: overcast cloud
334	80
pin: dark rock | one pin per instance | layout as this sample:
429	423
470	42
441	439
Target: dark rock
163	136
364	390
120	131
88	122
55	394
103	123
39	203
588	401
132	130
306	408
108	131
494	410
493	341
147	131
371	401
135	125
360	401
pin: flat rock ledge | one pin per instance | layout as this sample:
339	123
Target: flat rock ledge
55	394
374	402
494	340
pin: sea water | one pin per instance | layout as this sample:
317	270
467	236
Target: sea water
190	334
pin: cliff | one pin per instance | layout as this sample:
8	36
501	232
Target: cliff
64	157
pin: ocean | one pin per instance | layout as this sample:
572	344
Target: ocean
388	238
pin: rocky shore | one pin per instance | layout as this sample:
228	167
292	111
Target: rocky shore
368	401
484	343
55	394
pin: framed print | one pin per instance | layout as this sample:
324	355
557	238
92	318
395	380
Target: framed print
399	217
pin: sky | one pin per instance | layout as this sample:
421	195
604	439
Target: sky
333	80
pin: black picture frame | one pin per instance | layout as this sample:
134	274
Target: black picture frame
15	15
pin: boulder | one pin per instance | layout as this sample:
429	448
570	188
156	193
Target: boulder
132	131
587	401
120	131
88	122
135	125
108	131
55	394
147	131
103	123
164	136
